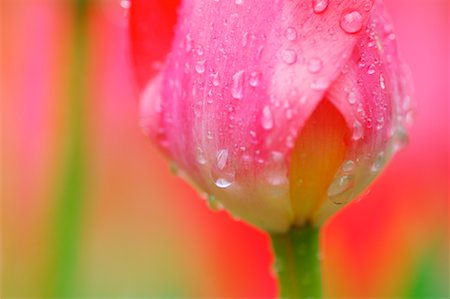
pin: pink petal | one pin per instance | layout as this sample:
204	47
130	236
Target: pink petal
378	108
239	83
151	33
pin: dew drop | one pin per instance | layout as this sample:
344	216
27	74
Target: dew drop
371	69
200	66
340	185
200	157
368	5
289	56
259	52
348	166
319	6
319	84
239	2
315	65
238	85
400	138
222	157
266	118
362	62
351	98
223	183
222	173
351	22
215	79
380	122
188	43
276	171
378	163
358	130
200	50
254	79
291	33
382	82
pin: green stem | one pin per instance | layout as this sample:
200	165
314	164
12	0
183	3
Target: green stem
70	196
298	263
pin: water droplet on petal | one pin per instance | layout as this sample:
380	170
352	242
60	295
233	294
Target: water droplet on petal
276	170
289	56
222	157
200	50
315	65
254	79
291	33
223	174
371	69
348	166
351	22
400	138
380	122
378	163
215	79
223	183
266	118
238	85
340	185
351	98
319	84
358	130
200	157
188	43
319	6
382	82
239	2
368	5
200	66
259	52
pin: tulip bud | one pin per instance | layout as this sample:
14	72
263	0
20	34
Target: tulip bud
282	110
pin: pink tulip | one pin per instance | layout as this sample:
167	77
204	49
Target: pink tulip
282	110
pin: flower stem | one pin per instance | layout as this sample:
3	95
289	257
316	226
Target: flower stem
298	263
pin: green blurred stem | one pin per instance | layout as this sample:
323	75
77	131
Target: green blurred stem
297	262
71	193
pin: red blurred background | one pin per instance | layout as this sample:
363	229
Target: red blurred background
89	207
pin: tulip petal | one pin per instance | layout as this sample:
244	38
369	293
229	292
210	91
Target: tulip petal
378	109
239	83
151	32
318	153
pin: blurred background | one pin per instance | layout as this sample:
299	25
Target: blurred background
89	208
